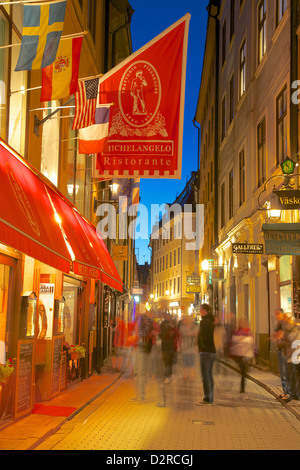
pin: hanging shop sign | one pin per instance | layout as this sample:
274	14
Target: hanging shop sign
190	289
218	273
282	239
288	166
288	199
248	248
193	280
120	253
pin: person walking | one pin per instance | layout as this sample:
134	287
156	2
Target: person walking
188	346
144	332
207	352
220	340
169	337
242	350
292	342
278	339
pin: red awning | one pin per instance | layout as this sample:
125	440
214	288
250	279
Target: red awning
91	257
27	218
39	221
109	275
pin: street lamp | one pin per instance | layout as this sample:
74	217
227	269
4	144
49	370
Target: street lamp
272	205
205	265
273	211
113	191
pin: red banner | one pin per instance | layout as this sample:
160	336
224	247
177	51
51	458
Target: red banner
146	120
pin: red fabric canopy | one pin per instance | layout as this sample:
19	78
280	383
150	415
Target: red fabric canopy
109	275
91	257
38	221
27	218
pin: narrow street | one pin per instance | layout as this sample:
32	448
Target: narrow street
114	423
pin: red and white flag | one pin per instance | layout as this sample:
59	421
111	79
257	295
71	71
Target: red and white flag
146	121
93	138
85	103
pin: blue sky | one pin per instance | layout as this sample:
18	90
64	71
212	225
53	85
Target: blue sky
151	17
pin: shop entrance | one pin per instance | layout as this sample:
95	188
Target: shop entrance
6	383
73	315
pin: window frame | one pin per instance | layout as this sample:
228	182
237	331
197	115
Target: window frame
242	68
261	151
262	30
282	120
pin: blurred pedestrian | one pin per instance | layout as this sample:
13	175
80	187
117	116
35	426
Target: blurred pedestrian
144	332
278	339
169	338
292	343
220	339
188	345
207	352
242	350
230	327
118	345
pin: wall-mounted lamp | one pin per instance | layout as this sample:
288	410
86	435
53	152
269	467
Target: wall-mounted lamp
205	265
113	190
273	210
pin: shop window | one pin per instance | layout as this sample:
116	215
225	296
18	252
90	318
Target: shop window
71	295
79	175
17	105
285	283
50	143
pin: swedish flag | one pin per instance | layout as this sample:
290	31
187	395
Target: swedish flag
42	30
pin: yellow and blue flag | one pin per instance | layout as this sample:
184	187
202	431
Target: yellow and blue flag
42	29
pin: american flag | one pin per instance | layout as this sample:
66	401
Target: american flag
85	103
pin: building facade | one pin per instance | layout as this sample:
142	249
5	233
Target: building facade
51	303
255	60
173	258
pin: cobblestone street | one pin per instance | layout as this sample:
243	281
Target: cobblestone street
112	422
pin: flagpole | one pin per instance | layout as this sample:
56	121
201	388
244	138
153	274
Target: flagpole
68	36
39	87
68	107
21	2
25	91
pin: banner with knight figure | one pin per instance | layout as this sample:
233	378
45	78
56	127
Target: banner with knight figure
146	93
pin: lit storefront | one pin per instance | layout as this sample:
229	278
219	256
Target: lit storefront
51	283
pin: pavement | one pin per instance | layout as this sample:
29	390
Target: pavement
28	432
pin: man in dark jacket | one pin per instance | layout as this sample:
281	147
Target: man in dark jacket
168	335
207	351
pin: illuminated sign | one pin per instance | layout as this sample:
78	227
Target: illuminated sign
282	239
288	199
248	248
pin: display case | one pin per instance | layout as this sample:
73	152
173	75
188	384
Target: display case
28	316
59	316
